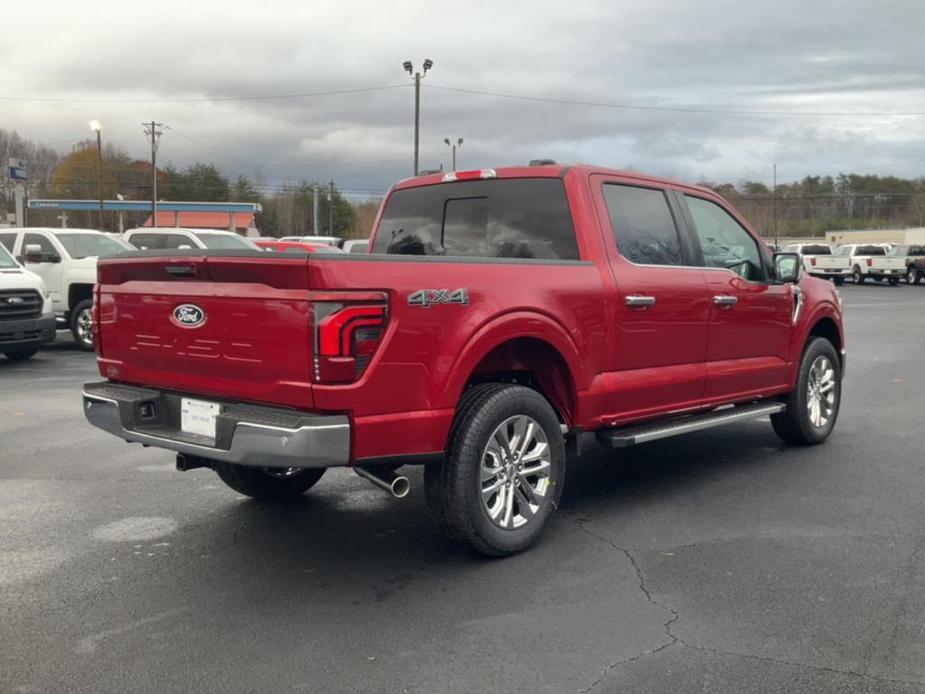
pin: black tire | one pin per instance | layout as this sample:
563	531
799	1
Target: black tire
858	275
454	487
264	484
83	335
794	425
894	281
913	276
21	354
839	281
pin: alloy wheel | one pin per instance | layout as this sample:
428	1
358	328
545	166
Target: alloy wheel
820	392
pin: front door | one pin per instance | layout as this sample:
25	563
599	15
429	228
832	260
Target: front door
50	267
750	315
661	311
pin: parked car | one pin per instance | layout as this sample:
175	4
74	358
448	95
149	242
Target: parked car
356	246
818	261
870	260
512	314
27	319
280	246
66	261
329	240
173	238
914	258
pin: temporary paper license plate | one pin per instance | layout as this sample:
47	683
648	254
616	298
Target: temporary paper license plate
198	417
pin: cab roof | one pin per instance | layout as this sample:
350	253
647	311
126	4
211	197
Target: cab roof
542	171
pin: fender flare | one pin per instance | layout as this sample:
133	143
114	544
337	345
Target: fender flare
513	326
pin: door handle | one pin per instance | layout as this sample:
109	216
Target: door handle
725	301
638	301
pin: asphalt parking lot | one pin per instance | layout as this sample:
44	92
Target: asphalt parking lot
720	561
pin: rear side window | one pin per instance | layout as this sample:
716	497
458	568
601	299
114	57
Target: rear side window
501	218
643	226
8	241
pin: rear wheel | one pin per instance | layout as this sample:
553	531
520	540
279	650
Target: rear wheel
894	281
812	407
501	479
912	276
858	275
21	354
268	483
82	325
839	281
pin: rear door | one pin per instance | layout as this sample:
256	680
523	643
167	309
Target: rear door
661	314
750	316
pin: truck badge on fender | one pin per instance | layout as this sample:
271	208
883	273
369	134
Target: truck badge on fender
425	298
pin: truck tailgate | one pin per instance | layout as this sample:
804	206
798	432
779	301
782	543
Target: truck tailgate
225	325
832	262
889	263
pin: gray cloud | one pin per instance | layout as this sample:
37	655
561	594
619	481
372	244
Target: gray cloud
830	56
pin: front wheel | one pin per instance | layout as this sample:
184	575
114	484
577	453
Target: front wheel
501	479
21	354
858	276
268	483
812	407
82	325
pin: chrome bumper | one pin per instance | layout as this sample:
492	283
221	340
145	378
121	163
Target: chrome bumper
245	434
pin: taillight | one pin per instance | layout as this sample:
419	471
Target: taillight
870	262
348	327
812	261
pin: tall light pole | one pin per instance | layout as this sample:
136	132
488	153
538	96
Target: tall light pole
98	129
418	76
453	146
153	131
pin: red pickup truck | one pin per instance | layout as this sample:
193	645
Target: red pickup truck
501	317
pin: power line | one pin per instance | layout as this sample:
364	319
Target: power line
670	109
203	99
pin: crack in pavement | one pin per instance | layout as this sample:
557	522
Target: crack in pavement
672	639
675	640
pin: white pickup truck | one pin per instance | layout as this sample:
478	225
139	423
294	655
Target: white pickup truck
26	318
871	260
819	261
66	260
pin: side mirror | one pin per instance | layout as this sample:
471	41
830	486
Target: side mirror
787	267
32	253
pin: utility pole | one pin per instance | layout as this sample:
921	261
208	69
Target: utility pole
315	192
98	129
774	207
331	210
418	76
153	131
453	146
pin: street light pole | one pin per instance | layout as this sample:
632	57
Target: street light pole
417	76
95	126
154	130
453	146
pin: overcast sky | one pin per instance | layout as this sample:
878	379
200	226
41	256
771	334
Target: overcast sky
178	62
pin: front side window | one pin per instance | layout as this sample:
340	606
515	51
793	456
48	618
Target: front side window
92	245
643	226
39	240
724	242
495	218
6	260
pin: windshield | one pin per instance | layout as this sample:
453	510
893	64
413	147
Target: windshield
92	245
216	241
816	249
6	260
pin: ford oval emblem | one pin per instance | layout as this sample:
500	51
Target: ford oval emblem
189	316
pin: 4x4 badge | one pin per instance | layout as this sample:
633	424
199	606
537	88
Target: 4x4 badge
425	298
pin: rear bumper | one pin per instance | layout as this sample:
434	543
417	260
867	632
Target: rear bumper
29	332
880	272
833	272
245	434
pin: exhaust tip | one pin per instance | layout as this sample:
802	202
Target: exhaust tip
400	487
